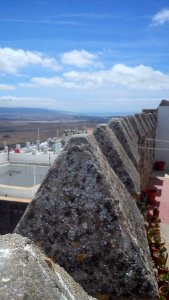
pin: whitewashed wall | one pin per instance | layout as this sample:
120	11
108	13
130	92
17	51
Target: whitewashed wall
34	159
162	133
3	157
20	180
22	175
17	192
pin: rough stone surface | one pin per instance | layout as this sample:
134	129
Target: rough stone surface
154	122
85	219
142	123
117	158
27	274
123	137
131	129
150	120
154	117
146	134
128	130
146	120
136	126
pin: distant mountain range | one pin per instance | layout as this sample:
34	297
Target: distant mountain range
20	113
39	114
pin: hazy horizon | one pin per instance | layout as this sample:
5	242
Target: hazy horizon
80	113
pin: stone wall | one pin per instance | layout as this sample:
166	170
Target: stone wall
26	273
118	158
129	148
144	128
85	216
128	144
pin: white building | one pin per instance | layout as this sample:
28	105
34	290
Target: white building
23	170
162	134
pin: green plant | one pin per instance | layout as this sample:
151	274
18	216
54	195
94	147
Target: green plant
160	258
150	232
153	235
142	207
157	237
162	297
155	221
164	278
167	289
162	250
159	243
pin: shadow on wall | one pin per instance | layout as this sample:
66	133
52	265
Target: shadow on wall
11	213
155	181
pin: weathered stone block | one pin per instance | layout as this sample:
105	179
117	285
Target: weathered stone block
145	146
154	119
123	137
146	120
118	158
126	127
136	126
131	129
155	115
26	273
142	123
150	121
85	219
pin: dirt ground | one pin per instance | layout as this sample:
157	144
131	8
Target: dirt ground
19	132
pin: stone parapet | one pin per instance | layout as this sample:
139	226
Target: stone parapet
131	129
144	126
119	130
26	273
118	158
85	219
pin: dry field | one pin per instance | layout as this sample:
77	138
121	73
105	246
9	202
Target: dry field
19	132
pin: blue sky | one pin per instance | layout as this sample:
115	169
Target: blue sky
84	56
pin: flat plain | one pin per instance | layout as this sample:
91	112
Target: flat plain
21	125
19	132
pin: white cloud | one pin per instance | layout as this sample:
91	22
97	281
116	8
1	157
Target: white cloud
79	59
161	17
6	87
13	101
12	60
51	82
135	78
40	21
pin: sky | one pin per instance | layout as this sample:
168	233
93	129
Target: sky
92	56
